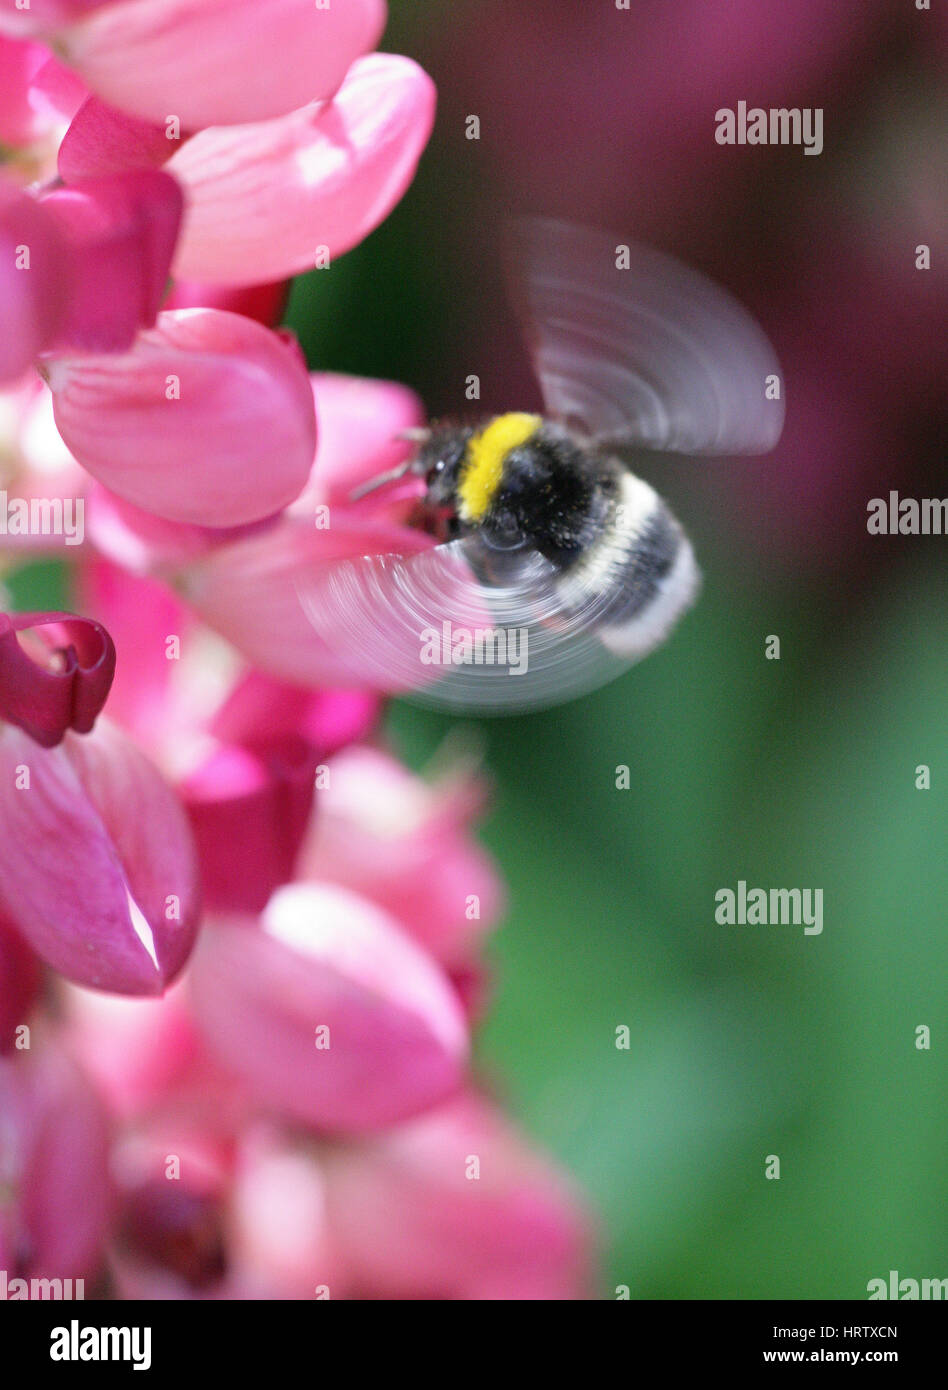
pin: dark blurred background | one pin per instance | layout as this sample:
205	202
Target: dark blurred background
745	1041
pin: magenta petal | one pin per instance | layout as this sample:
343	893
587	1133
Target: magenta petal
249	810
56	1192
102	141
121	233
19	983
395	1039
263	198
265	303
45	701
223	62
97	867
327	719
208	420
34	282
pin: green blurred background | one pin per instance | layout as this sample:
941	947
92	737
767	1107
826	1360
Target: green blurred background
745	1041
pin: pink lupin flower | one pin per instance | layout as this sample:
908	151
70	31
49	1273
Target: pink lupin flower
208	420
327	1011
266	201
54	1179
208	62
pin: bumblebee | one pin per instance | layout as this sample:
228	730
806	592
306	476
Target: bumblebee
544	532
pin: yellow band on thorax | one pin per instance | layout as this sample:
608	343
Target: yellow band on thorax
484	460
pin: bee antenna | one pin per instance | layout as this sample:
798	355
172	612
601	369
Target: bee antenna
391	476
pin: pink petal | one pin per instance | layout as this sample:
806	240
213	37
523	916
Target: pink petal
414	1223
54	1161
327	719
102	141
19	983
326	959
249	591
236	446
134	1050
138	541
220	63
32	299
19	64
140	615
249	810
359	426
97	866
262	198
121	233
405	844
278	1247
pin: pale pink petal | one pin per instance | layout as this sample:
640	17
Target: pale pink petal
278	1245
249	591
42	16
53	1168
263	198
121	233
455	1206
139	541
405	844
34	284
208	420
102	141
97	866
219	62
133	1049
324	959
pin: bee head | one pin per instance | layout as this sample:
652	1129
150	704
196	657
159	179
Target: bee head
439	462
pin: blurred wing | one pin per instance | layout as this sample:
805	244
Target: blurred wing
654	355
461	627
